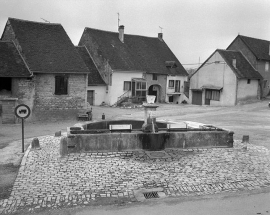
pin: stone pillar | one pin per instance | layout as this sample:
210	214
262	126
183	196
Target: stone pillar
149	118
35	144
57	134
63	147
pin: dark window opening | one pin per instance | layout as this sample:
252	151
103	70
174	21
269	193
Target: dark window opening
171	83
5	85
154	76
212	95
127	85
61	85
248	81
177	86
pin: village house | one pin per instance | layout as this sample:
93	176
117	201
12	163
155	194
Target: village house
224	79
135	66
257	51
46	72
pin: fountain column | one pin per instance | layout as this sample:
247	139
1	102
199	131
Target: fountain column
149	115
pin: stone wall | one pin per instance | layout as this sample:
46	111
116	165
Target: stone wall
45	98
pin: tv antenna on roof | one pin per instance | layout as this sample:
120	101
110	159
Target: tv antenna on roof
45	20
118	19
160	29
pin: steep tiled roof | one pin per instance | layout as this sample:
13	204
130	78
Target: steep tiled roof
260	48
136	53
94	77
47	47
243	68
11	62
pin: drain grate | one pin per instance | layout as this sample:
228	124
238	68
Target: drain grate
151	195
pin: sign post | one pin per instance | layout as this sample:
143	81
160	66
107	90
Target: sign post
22	111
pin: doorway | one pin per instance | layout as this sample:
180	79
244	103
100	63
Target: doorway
90	96
197	97
154	91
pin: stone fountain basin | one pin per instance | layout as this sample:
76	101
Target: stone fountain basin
96	137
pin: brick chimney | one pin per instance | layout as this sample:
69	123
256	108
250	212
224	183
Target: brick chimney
234	63
121	33
160	36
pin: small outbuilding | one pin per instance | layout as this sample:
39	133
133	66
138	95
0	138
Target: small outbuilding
224	79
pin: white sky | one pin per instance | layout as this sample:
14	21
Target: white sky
192	29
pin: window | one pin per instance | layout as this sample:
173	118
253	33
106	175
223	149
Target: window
177	86
171	83
154	77
248	81
127	85
61	85
215	95
266	66
139	89
212	95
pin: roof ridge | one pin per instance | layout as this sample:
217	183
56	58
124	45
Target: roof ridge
36	22
253	38
116	32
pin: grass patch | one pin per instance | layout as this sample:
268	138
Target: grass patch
8	173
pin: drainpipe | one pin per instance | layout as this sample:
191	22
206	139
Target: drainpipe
236	91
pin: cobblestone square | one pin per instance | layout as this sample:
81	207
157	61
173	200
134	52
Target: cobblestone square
47	181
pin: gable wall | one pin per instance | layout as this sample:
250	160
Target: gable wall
219	75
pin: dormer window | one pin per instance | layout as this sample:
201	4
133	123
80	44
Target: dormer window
170	64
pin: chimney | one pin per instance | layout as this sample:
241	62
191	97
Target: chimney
160	36
234	62
121	33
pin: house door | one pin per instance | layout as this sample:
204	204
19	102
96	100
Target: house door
197	97
90	97
208	95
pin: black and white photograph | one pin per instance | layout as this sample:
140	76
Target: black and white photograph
147	107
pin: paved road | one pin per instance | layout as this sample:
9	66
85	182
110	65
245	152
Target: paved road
238	205
46	181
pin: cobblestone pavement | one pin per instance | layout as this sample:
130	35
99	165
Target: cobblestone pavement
47	181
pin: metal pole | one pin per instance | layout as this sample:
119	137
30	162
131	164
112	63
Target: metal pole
22	135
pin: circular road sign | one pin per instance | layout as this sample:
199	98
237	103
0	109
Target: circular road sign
22	111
